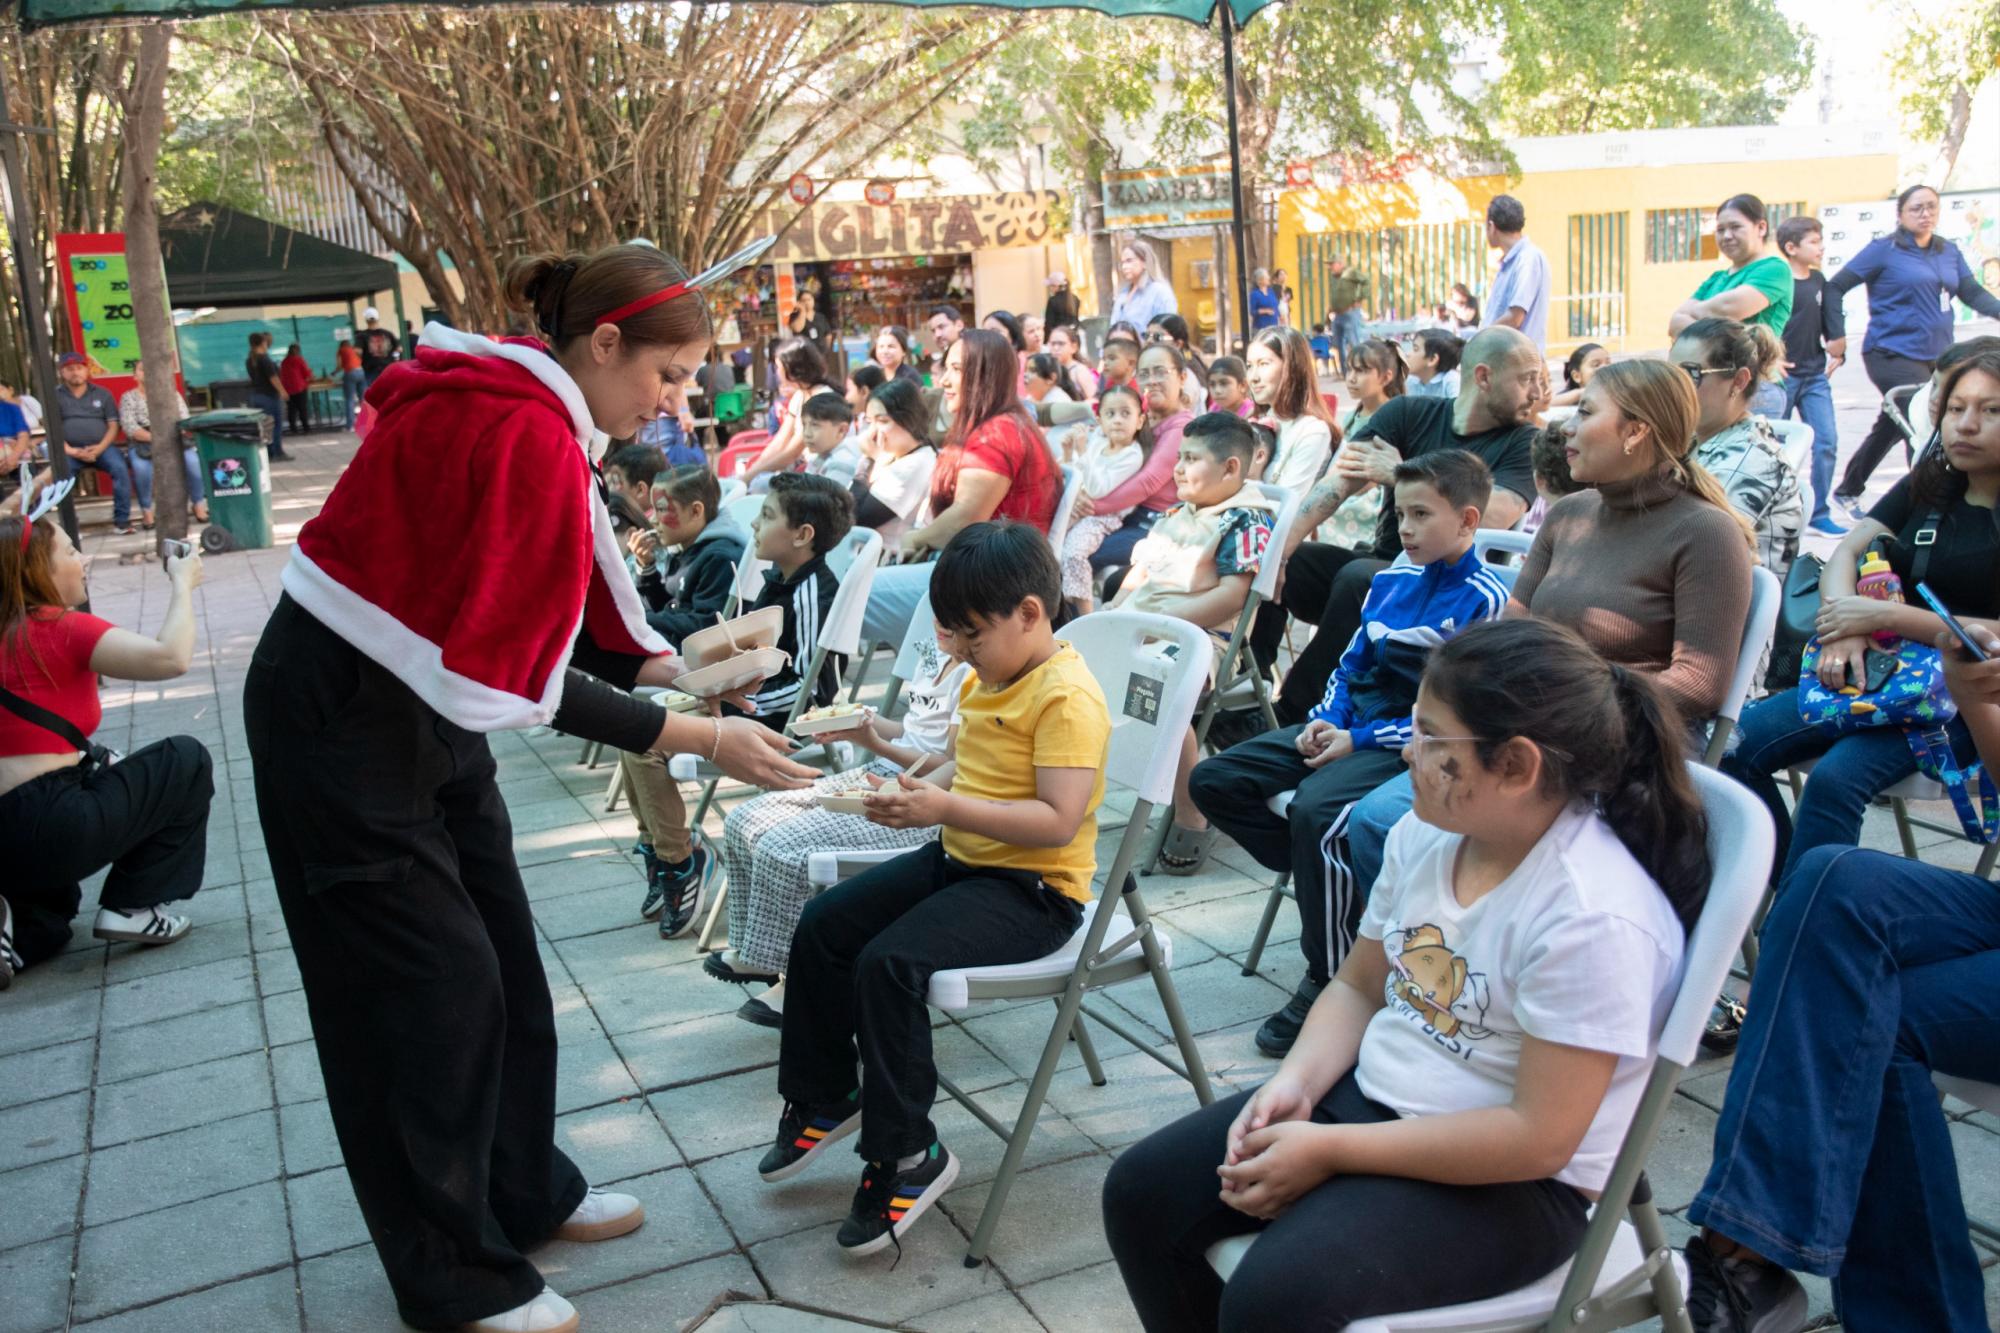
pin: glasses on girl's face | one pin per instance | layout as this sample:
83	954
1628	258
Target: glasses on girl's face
1695	372
1159	373
1420	738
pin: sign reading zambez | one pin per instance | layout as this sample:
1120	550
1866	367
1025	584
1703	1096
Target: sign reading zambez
1166	196
945	224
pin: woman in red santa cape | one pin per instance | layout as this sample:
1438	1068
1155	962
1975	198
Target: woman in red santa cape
462	578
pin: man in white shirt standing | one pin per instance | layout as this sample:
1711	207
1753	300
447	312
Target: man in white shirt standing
1519	298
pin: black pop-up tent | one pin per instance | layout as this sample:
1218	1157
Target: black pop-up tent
217	256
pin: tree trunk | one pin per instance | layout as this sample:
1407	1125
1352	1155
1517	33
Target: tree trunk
1957	120
1102	269
145	125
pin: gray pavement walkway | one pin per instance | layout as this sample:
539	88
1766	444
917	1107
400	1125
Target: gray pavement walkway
167	1162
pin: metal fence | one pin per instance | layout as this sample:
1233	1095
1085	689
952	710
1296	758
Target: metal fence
1687	235
1409	270
1594	299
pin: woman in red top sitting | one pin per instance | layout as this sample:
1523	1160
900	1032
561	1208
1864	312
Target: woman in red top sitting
62	820
296	377
994	464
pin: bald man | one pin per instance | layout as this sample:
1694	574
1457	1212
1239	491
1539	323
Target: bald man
1501	381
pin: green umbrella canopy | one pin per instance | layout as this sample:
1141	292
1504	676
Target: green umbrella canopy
45	13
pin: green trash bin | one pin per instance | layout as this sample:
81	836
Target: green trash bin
236	474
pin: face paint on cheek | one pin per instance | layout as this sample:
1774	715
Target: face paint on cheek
1449	773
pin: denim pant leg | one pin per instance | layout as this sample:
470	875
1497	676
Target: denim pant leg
268	404
191	467
1770	738
142	480
1811	398
1368	823
892	600
1831	1153
352	385
1768	400
115	461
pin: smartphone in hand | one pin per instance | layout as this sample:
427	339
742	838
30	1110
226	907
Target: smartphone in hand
1951	622
173	547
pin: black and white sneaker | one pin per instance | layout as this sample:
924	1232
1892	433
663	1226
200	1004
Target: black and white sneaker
147	925
10	962
766	1010
891	1200
656	893
682	889
1741	1295
805	1131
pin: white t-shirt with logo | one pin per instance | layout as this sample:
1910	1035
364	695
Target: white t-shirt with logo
1578	947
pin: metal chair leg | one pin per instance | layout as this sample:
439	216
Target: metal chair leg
1278	895
617	788
1901	809
707	940
1068	1010
1170	1000
1986	859
1080	1034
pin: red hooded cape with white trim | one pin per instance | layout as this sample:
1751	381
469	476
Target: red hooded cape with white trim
466	544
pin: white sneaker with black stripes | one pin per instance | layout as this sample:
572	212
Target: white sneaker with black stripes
147	925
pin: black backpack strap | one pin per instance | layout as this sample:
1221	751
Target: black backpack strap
42	717
1922	542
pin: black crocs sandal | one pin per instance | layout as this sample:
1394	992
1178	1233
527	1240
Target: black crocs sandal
1186	851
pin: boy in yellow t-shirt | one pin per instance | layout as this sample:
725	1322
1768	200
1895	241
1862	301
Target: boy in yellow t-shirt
1006	884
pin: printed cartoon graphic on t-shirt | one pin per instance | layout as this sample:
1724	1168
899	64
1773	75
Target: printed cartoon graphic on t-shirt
1435	984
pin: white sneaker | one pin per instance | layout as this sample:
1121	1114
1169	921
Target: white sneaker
547	1313
148	925
602	1216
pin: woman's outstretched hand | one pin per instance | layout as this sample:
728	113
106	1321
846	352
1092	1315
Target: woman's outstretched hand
751	752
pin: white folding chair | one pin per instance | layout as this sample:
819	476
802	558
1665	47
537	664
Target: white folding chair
1553	415
1758	627
1505	541
1152	698
1625	1272
839	634
1059	529
732	488
749	570
1795	441
1238	683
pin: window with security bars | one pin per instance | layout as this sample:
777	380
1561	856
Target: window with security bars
1687	235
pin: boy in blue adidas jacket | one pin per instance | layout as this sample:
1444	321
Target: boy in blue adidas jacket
1353	742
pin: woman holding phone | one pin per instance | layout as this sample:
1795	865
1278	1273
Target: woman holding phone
1935	527
64	813
367	707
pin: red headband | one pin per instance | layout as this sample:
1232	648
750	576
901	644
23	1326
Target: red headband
631	308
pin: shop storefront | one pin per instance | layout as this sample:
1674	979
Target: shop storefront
868	265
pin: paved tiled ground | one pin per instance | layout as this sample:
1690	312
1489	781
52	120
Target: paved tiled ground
166	1160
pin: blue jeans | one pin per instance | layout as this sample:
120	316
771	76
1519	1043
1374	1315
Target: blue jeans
1368	823
1832	1155
1768	400
191	465
1851	772
268	404
1347	332
352	385
892	600
128	472
1810	398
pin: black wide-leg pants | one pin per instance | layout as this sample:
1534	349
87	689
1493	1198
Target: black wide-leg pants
394	863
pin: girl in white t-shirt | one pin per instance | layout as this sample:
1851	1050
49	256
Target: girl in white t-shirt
1285	384
767	842
1455	1100
1110	456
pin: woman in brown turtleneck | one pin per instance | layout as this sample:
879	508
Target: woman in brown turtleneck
1651	566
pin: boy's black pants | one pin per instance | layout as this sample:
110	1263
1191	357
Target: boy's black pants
147	815
1231	788
394	862
861	964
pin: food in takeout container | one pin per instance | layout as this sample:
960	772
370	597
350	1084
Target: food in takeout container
844	803
832	717
731	638
732	673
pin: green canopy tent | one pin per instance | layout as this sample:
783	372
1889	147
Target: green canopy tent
218	256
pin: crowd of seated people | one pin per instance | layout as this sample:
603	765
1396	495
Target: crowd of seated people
1487	765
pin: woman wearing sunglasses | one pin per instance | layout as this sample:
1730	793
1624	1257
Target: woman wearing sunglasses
1727	361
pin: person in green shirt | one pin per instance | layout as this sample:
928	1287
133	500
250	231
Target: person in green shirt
1754	288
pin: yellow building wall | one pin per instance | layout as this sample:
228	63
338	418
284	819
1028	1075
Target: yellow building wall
1550	198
